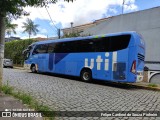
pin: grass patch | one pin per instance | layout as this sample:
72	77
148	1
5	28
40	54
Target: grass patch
152	85
40	107
7	89
27	99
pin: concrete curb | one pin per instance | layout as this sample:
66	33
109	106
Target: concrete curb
20	68
145	86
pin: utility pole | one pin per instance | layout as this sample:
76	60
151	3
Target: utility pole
123	6
2	37
71	27
59	33
47	37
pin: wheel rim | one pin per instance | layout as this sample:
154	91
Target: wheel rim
86	76
33	69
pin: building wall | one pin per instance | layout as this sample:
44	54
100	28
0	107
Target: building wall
146	22
81	28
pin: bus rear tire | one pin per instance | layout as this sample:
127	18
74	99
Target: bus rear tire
86	75
33	69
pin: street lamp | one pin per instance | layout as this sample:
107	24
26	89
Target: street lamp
71	27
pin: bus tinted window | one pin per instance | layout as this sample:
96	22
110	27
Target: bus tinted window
58	47
74	46
70	47
85	46
119	42
51	48
62	47
102	44
42	48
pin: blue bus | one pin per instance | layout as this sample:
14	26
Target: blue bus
116	57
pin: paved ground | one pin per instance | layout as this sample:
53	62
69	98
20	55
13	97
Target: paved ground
73	95
10	103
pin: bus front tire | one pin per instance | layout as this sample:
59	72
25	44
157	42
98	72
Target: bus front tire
33	69
86	75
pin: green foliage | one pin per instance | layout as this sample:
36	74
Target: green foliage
74	34
83	35
152	85
10	27
41	107
30	27
13	50
7	89
26	99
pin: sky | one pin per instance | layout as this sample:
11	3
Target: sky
79	12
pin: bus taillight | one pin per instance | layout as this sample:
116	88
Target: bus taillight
133	68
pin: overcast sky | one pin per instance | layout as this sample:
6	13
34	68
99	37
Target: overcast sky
79	12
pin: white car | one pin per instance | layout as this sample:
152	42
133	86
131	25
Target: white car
8	63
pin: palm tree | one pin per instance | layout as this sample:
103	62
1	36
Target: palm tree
30	27
10	27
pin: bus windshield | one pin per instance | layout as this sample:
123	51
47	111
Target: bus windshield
26	52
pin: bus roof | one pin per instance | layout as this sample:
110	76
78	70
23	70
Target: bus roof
86	37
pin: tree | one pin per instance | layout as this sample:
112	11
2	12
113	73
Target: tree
10	27
30	27
15	8
73	34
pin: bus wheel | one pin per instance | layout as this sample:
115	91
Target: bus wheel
86	75
33	69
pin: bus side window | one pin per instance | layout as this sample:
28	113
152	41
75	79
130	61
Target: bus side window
69	47
65	48
42	48
119	42
85	46
102	44
58	47
51	47
35	50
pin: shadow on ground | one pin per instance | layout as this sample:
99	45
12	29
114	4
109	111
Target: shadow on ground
97	82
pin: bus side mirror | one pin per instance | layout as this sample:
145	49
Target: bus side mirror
25	51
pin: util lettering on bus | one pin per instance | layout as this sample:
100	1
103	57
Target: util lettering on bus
99	60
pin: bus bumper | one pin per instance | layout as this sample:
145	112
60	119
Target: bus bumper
139	76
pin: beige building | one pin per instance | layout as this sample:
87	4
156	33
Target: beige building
81	28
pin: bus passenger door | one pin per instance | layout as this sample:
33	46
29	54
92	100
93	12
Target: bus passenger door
50	58
42	58
51	61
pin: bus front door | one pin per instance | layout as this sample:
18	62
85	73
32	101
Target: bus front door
51	61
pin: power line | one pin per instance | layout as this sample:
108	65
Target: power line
46	22
51	19
58	30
